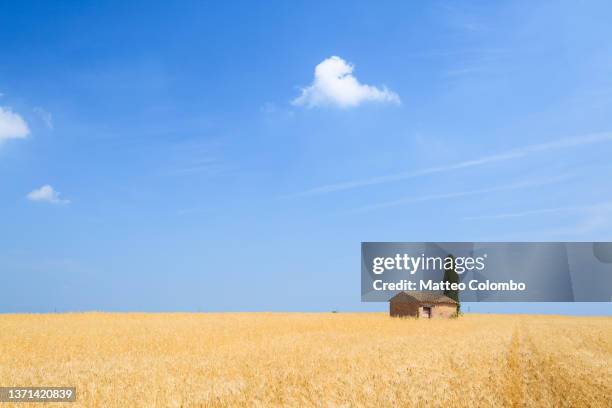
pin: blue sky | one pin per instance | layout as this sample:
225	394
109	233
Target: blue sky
190	157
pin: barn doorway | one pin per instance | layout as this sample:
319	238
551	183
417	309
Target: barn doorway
426	312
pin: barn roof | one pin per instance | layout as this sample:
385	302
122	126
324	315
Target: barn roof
426	297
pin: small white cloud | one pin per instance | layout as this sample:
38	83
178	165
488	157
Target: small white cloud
335	85
12	126
46	194
45	116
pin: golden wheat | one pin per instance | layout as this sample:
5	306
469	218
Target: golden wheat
274	359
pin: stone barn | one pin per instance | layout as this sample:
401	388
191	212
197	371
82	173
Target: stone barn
422	304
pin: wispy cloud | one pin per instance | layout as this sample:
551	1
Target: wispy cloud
417	199
597	218
520	214
459	53
12	125
335	85
46	194
195	157
465	62
208	166
45	116
542	211
466	70
513	154
592	218
274	114
462	18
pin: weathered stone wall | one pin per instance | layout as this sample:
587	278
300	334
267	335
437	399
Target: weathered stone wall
442	310
399	309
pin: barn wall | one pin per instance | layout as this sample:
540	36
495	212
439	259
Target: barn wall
442	310
403	309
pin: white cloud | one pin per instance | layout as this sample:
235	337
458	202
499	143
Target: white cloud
335	85
45	116
12	126
46	194
518	153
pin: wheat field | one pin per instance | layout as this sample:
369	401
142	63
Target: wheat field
299	359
